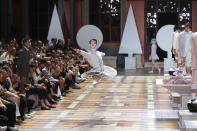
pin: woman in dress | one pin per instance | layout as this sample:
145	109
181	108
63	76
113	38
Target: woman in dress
94	57
154	57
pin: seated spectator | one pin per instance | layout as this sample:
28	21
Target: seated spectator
43	70
7	109
38	89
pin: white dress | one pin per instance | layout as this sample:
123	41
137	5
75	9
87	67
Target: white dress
154	55
98	68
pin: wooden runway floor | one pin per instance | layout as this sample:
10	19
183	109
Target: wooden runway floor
126	103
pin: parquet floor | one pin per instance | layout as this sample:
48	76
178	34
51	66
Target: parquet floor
126	103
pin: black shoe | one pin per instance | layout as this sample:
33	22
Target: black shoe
64	94
22	118
55	97
68	91
54	100
50	106
45	108
18	123
51	101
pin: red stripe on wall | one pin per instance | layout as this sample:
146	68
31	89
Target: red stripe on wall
67	13
193	90
78	15
194	15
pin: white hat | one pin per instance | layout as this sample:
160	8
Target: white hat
87	33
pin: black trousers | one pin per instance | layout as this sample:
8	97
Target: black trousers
69	83
23	105
10	113
3	120
54	85
48	85
40	91
81	70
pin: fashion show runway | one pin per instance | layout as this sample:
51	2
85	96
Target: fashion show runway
126	103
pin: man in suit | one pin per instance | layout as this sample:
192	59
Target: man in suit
23	62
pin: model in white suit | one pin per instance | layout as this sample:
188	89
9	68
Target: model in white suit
187	50
175	43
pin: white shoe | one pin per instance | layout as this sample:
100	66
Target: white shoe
77	84
13	128
3	128
150	72
94	82
26	116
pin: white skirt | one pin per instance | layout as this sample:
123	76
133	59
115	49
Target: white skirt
154	57
108	72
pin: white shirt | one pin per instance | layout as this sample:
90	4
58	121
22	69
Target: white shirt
50	44
95	59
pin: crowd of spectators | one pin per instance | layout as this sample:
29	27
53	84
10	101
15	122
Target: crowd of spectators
47	71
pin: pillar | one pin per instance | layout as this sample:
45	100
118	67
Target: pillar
72	20
25	17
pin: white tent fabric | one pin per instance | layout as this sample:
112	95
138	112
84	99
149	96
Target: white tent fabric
55	30
130	43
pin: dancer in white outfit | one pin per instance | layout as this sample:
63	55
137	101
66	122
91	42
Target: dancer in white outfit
154	57
94	57
90	38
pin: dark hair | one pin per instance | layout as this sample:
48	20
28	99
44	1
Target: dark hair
32	65
188	26
1	64
13	75
93	40
52	39
180	28
5	68
175	28
1	71
24	40
43	61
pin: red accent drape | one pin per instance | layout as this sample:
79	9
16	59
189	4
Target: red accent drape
194	15
17	18
78	15
66	19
